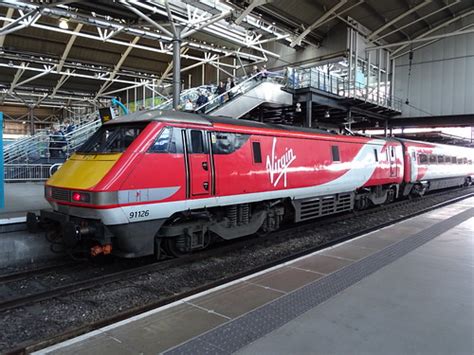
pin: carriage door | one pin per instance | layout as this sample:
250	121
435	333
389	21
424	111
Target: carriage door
199	163
393	161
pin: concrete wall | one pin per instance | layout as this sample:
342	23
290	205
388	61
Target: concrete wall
334	45
442	77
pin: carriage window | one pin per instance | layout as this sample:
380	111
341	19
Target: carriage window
459	160
335	153
432	159
197	142
440	159
226	143
376	155
413	156
423	159
257	153
447	160
464	161
168	141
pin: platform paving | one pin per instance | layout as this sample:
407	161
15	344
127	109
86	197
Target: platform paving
404	289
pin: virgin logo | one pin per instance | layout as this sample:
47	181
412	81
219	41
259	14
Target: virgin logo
277	166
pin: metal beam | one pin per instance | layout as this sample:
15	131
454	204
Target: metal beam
69	44
174	29
62	61
406	43
21	22
419	19
434	29
427	44
317	23
248	10
114	27
47	70
8	16
117	67
128	5
398	18
205	23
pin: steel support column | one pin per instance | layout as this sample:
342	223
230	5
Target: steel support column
309	112
176	68
31	117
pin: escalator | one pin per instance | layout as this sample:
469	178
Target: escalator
259	89
251	92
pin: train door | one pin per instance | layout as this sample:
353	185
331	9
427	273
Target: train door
199	163
392	160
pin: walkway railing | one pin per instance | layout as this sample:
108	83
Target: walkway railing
312	77
26	172
46	146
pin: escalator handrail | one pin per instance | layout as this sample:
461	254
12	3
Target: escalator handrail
239	85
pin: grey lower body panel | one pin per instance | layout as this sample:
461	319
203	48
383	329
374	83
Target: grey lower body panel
135	239
446	183
129	240
320	206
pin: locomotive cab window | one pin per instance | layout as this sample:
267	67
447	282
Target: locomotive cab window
257	152
112	138
376	155
168	141
335	153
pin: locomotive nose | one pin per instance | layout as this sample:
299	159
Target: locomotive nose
83	171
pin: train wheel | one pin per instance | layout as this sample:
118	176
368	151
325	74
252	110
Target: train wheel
185	245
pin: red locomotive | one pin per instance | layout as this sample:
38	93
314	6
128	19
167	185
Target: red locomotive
158	180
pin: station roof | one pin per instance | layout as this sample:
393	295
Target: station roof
105	45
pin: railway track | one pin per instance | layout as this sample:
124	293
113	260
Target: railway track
29	272
396	213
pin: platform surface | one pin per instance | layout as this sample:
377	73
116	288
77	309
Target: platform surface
404	289
21	198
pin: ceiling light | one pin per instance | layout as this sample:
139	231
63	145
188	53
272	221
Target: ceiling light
63	24
326	114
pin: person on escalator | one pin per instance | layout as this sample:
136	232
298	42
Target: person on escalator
264	72
201	100
255	72
219	91
229	86
188	106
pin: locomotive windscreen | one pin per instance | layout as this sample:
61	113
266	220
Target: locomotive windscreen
112	139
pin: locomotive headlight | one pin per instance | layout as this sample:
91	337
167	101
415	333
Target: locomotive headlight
80	196
48	191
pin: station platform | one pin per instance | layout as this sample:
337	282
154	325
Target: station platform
20	198
404	289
